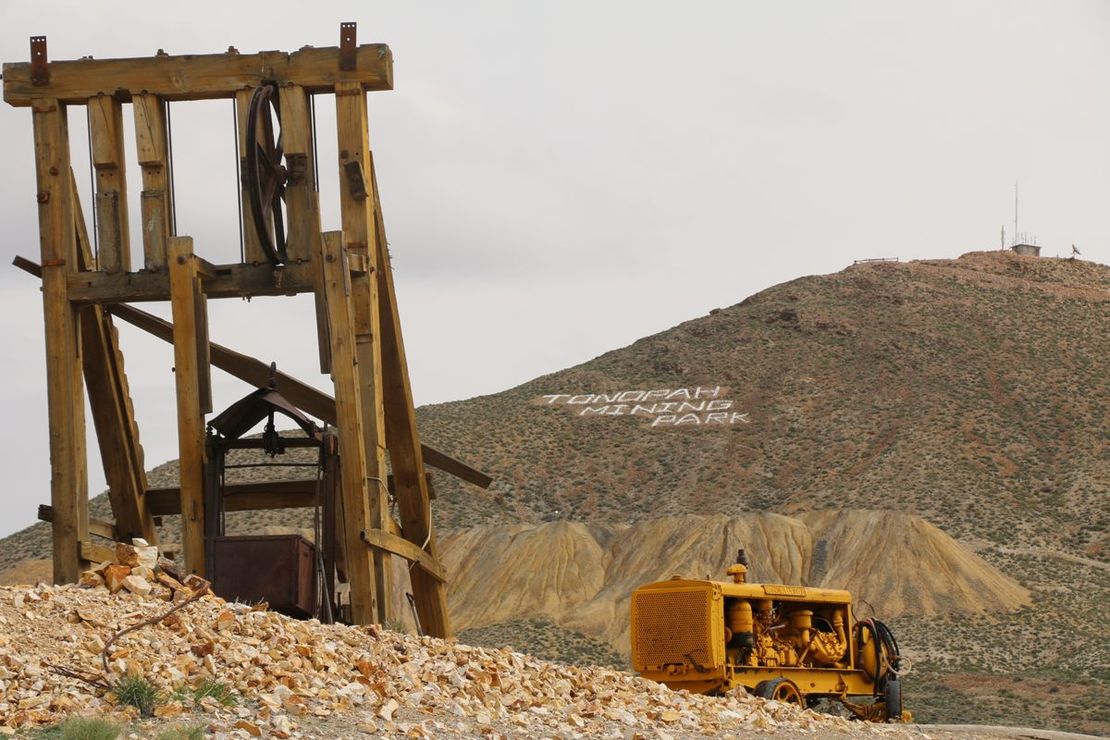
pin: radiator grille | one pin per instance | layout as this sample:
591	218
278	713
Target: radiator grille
670	627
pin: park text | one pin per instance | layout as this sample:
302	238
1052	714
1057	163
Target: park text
666	407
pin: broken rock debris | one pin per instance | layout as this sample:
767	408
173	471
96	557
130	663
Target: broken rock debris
288	676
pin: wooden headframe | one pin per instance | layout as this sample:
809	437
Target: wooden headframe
348	271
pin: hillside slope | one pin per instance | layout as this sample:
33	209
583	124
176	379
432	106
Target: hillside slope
970	392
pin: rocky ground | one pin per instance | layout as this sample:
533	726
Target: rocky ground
238	671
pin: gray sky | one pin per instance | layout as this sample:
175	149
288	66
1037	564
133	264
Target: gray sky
562	178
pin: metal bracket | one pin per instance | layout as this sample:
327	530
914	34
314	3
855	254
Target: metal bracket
40	74
297	167
348	52
356	182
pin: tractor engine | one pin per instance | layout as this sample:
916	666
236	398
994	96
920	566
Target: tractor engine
765	636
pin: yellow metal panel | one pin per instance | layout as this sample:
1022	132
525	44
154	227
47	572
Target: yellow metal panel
678	626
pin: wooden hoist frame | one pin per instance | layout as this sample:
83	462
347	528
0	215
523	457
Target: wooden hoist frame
348	272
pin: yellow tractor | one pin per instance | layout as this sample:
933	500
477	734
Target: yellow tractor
789	643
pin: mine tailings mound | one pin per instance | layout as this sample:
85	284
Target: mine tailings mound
580	576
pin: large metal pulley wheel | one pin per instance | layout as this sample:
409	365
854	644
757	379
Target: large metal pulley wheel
265	175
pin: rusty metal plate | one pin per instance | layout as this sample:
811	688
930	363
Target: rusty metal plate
348	52
40	74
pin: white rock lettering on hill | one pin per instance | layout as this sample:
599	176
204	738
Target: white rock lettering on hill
700	406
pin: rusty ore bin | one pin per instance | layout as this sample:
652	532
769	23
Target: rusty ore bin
277	569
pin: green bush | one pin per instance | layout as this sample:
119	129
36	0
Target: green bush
137	692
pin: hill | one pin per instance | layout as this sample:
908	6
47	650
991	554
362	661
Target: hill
967	391
932	435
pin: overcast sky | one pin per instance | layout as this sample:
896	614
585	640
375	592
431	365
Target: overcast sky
562	178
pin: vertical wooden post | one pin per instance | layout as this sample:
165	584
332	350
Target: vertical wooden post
358	232
302	203
190	420
328	450
252	245
405	455
296	137
64	387
353	469
106	130
153	150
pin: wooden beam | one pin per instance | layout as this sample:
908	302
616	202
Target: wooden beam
110	402
409	551
354	152
99	527
450	465
256	496
190	420
114	420
106	132
227	281
252	243
302	203
354	490
64	387
303	229
406	454
153	150
197	76
204	355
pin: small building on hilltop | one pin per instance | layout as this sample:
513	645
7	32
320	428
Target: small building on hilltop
1028	250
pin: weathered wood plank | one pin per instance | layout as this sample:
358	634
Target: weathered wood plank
198	76
153	148
190	420
64	387
110	402
409	551
99	527
228	281
204	355
302	202
450	465
106	130
296	135
354	493
354	151
252	243
263	495
405	451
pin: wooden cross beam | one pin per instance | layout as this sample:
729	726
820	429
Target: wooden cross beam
197	76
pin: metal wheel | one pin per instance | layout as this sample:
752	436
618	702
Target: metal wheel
782	690
264	175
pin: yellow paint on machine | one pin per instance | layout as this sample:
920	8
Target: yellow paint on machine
785	642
